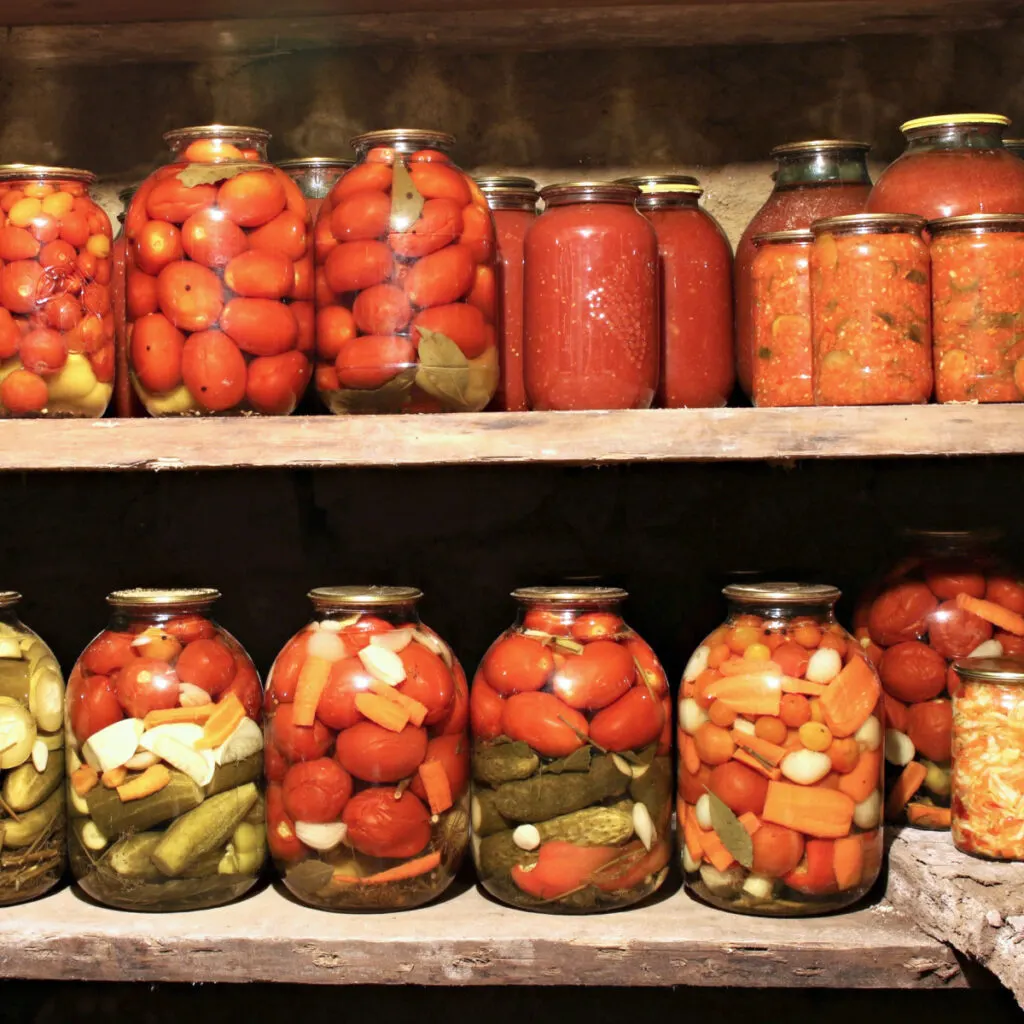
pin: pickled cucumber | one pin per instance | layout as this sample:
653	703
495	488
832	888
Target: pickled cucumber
245	852
235	773
24	787
498	855
132	858
258	812
15	677
487	818
504	762
114	817
29	827
548	796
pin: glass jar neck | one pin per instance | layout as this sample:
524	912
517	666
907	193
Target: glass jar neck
316	180
669	201
821	167
966	544
405	612
217	145
123	615
817	611
955	136
405	144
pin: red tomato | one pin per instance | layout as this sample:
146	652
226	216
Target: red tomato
187	628
298	742
457	718
1009	593
945	586
302	279
275	767
361	216
453	754
356	265
631	722
375	754
439	278
19	244
261	327
740	788
954	633
287	234
335	325
275	384
596	678
1011	644
930	728
427	680
478	232
252	199
381	826
93	705
145	685
281	838
357	636
245	686
10	332
562	868
440	181
371	360
190	296
207	664
158	244
693	787
337	705
108	652
382	309
912	671
439	224
156	348
172	201
259	274
486	709
545	723
284	673
778	851
21	287
547	620
209	238
591	625
900	613
209	151
316	791
140	295
517	664
364	176
213	370
458	321
483	294
791	658
305	319
63	313
43	351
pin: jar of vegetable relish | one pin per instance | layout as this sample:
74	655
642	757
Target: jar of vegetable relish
783	355
978	307
315	176
871	310
953	164
779	807
513	202
572	778
821	178
591	332
988	737
695	260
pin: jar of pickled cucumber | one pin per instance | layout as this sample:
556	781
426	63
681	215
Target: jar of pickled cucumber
572	778
315	176
32	814
165	757
779	807
367	754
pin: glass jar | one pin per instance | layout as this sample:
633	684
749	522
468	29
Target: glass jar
219	289
871	303
821	178
780	757
978	307
953	164
695	263
165	757
783	368
572	776
367	754
406	306
315	176
33	821
1014	146
513	202
56	322
590	339
126	401
988	736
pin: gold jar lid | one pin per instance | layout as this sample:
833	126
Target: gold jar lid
1008	670
421	138
782	593
978	222
15	172
588	192
951	120
9	598
151	597
361	597
569	595
819	146
867	223
795	236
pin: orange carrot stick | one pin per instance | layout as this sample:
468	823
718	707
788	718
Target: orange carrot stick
999	616
739	754
222	723
746	667
691	759
850	698
384	712
311	682
417	711
859	784
435	782
151	781
813	810
926	816
909	782
750	821
170	716
691	833
114	778
715	851
848	861
770	752
753	694
401	873
790	684
84	779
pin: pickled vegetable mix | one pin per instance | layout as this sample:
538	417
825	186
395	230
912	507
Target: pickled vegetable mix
780	757
978	307
988	758
872	310
572	781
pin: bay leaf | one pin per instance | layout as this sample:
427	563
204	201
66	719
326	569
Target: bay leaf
577	761
444	370
211	174
645	756
406	201
389	397
735	838
310	875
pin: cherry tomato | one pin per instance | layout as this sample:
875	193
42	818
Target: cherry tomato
912	671
207	664
930	728
252	199
374	754
281	838
381	826
358	179
337	705
209	238
900	614
299	742
158	244
954	633
109	652
740	788
438	225
548	620
302	279
18	244
93	704
372	360
210	151
946	586
460	322
353	266
358	634
381	309
428	680
1009	593
1011	644
453	754
141	296
361	216
778	851
517	664
590	625
633	721
103	363
486	709
794	710
190	296
287	234
596	678
316	791
284	673
187	628
483	294
145	685
545	723
63	313
440	181
478	232
10	334
213	370
21	287
172	201
156	348
335	325
275	384
648	661
439	278
792	658
261	327
43	351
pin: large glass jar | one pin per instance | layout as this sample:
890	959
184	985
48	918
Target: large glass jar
315	176
367	754
821	178
914	623
695	262
56	320
871	310
572	776
978	307
780	757
590	339
33	819
953	164
513	201
219	289
165	757
126	401
406	306
1015	146
783	368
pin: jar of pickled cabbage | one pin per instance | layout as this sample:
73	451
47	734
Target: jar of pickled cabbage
165	757
978	307
988	736
219	289
780	757
56	320
33	819
572	777
367	754
315	176
406	305
943	601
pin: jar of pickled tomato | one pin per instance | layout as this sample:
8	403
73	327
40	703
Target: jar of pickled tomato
406	305
219	288
695	261
934	606
820	178
33	821
783	368
591	334
165	757
988	736
572	777
513	202
871	302
978	307
780	757
56	320
315	176
367	754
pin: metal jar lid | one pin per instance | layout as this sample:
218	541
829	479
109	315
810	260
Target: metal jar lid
782	593
361	597
1008	670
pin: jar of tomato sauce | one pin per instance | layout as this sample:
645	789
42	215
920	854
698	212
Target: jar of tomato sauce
571	722
406	307
591	336
165	757
820	178
315	176
978	307
695	261
781	294
953	164
871	303
513	201
56	319
780	757
219	289
367	754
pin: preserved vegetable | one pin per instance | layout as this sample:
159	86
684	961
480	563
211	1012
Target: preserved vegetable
871	303
315	176
126	401
571	721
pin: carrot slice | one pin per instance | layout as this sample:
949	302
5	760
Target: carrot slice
169	716
417	711
926	816
859	784
813	810
771	752
848	861
435	782
790	684
691	759
384	712
311	682
84	779
909	782
715	851
114	778
222	723
691	833
850	698
403	872
999	616
739	754
151	781
753	694
750	821
746	667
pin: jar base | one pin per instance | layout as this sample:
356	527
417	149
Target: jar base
751	906
589	900
171	896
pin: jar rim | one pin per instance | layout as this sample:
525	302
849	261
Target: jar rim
13	172
663	184
196	131
952	120
314	162
358	597
864	222
795	236
982	535
9	598
569	595
820	146
153	597
1008	669
589	191
386	136
505	182
976	220
782	593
